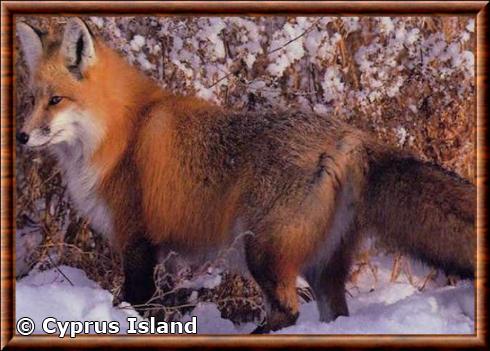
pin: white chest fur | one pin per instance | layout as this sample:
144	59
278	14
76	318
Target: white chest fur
82	183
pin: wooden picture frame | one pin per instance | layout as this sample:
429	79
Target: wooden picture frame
10	9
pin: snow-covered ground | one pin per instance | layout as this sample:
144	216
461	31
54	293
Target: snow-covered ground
376	306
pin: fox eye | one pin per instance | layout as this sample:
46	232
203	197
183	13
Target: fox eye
55	100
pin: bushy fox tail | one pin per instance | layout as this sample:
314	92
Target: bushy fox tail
422	210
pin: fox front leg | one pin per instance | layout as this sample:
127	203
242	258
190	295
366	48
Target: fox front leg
277	280
139	260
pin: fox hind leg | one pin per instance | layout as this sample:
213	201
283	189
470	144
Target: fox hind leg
328	279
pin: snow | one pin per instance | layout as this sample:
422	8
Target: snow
402	134
332	84
50	294
144	63
285	49
441	312
377	306
386	25
137	43
351	24
98	21
209	280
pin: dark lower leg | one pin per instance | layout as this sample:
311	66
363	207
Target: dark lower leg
281	312
331	298
328	282
139	262
278	284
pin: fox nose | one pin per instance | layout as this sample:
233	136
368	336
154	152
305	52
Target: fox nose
22	137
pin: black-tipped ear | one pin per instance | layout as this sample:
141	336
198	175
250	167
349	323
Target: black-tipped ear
78	47
31	45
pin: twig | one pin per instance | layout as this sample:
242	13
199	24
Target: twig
42	183
432	274
219	80
272	51
295	38
395	271
59	270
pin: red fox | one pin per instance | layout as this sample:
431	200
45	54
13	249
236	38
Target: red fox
152	169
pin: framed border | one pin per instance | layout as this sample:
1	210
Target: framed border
478	9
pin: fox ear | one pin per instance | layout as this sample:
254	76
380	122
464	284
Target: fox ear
31	45
78	47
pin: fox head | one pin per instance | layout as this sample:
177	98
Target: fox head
61	76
